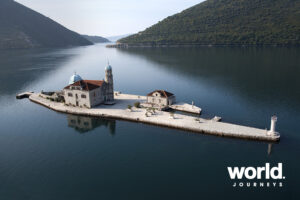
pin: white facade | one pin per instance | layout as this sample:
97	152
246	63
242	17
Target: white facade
161	98
82	98
90	93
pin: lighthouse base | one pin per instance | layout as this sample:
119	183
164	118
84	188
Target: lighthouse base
272	133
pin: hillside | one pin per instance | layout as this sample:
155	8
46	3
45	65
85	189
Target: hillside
95	39
21	27
227	22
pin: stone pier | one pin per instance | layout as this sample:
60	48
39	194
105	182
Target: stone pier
161	118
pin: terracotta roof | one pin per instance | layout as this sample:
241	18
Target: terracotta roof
163	93
87	85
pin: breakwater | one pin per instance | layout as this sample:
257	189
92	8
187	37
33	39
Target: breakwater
161	118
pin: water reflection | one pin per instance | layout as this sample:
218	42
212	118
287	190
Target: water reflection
269	149
84	124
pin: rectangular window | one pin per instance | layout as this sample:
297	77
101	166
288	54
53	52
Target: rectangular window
70	94
83	96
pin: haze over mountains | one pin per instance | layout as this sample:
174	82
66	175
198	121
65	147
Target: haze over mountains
118	37
21	27
226	22
95	39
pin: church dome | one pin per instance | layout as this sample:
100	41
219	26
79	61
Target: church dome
74	78
108	67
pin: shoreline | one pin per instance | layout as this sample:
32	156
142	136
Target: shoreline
126	45
161	118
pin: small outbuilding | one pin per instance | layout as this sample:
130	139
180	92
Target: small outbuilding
161	98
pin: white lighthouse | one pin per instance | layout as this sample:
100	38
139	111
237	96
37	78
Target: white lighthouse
272	130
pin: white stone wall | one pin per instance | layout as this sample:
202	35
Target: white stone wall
77	99
157	99
161	101
96	97
92	98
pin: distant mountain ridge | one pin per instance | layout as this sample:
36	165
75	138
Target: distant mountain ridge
226	22
95	39
21	27
118	37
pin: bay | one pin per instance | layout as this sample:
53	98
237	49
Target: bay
42	156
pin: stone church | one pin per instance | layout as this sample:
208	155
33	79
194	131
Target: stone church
90	93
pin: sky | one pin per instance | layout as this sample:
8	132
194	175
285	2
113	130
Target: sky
108	17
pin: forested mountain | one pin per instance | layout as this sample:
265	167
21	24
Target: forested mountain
227	22
95	39
21	27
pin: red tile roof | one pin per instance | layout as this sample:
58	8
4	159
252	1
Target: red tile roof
163	93
87	85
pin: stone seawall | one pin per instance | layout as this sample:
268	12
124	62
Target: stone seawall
159	118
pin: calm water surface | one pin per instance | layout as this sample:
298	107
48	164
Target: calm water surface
43	156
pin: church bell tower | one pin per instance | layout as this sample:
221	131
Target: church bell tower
110	82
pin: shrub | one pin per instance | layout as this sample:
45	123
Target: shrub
129	107
137	104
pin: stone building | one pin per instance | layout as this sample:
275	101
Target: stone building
161	98
90	93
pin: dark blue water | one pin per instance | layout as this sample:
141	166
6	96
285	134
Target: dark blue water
42	156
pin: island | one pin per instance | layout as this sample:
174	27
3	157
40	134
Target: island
98	98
